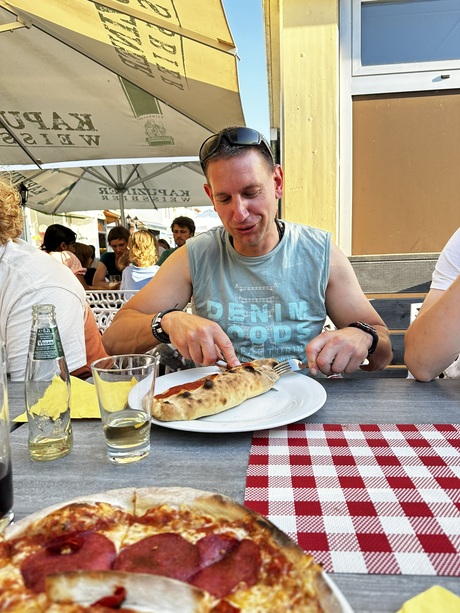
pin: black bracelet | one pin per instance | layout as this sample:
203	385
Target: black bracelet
157	330
370	330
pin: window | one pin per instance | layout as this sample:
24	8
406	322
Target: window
405	45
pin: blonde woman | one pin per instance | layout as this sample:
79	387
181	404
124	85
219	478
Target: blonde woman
143	256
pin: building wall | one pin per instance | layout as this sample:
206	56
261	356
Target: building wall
304	101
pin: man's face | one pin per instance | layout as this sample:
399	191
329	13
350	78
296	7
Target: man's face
180	234
244	192
119	246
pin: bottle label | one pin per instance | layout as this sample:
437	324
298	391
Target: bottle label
48	344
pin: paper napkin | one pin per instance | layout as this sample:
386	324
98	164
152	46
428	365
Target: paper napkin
434	599
83	401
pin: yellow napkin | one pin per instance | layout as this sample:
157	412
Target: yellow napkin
113	394
434	599
83	400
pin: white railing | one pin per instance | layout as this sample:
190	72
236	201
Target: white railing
105	303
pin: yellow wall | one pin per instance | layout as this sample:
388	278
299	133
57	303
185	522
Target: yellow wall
306	77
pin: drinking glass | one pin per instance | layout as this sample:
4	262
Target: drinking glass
125	387
114	281
6	474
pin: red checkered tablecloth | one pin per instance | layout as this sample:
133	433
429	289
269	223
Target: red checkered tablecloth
363	498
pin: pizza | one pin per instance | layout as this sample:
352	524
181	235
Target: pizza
216	392
156	550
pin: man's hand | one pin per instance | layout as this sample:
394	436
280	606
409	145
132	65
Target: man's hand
199	339
336	351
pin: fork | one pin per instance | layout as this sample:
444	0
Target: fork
289	365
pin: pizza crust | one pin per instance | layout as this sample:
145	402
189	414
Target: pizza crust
144	593
217	392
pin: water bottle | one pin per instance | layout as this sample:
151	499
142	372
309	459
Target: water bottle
47	388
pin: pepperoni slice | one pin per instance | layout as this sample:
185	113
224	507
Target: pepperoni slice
75	551
166	554
221	578
213	547
114	601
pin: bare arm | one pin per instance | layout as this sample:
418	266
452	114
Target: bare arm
344	350
432	341
198	339
99	281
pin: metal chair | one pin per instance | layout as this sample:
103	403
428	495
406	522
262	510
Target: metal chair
105	304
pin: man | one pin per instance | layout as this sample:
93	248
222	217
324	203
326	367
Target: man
182	228
432	342
112	262
29	276
261	287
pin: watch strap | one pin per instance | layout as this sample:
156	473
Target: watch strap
370	330
157	330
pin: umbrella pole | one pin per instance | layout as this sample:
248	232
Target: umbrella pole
121	198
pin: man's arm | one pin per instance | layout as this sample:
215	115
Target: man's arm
99	277
345	349
432	341
196	338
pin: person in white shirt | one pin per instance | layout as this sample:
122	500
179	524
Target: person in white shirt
432	342
29	276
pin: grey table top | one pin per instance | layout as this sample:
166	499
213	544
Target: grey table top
218	462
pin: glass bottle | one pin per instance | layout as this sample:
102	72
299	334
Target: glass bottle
47	388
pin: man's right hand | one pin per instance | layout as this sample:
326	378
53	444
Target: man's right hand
199	339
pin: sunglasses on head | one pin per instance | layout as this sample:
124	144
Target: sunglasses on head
246	137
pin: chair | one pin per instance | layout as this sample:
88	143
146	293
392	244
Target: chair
105	303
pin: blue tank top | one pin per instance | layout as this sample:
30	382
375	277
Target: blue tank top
271	305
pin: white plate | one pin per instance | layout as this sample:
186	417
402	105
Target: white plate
294	397
346	608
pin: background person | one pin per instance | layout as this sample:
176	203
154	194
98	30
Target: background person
111	263
182	228
59	241
163	245
27	277
261	287
432	342
143	255
85	254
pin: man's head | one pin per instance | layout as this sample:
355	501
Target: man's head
244	185
234	141
118	238
10	212
182	228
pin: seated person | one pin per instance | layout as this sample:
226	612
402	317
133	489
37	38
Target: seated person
85	253
163	245
59	242
112	263
182	228
143	255
261	287
27	277
432	342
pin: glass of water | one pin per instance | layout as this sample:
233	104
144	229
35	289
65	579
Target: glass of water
125	387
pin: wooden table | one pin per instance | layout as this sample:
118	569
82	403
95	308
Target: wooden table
218	462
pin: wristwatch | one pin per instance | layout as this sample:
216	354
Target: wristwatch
370	330
157	330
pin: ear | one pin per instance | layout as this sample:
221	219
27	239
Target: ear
208	191
63	246
278	180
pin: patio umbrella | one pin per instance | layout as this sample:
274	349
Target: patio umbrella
123	186
84	80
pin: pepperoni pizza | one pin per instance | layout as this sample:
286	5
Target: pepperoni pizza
157	550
